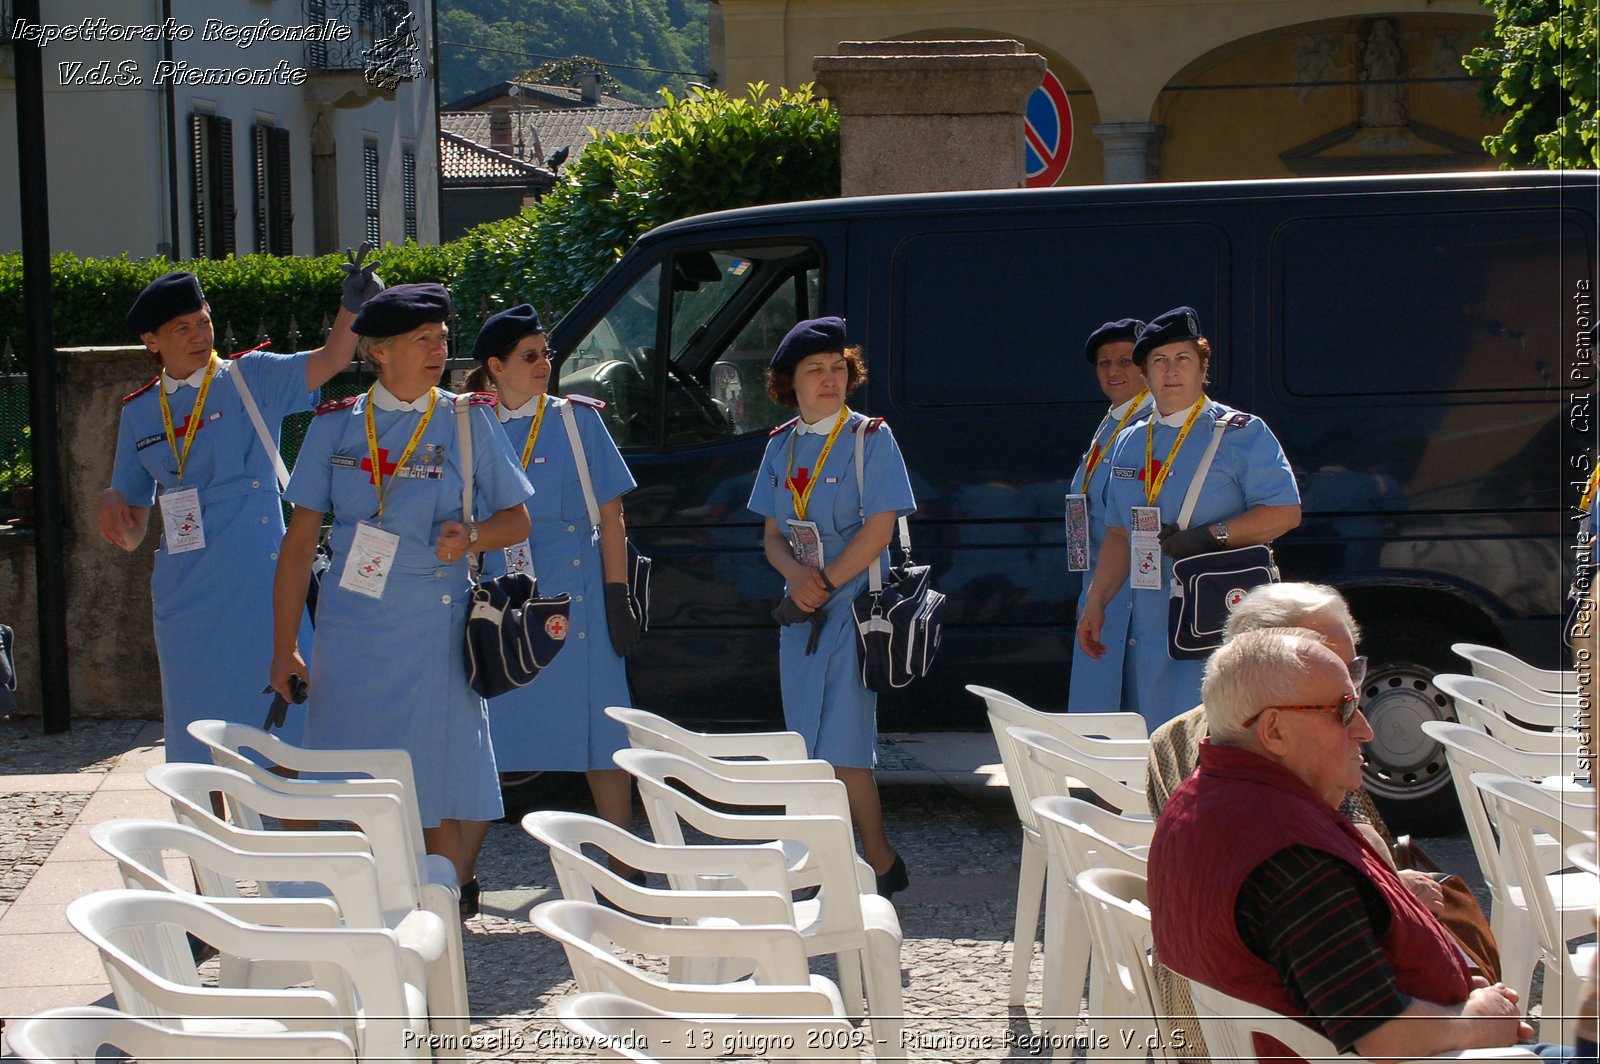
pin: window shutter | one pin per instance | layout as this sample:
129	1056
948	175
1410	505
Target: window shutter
197	191
369	172
258	167
222	201
281	199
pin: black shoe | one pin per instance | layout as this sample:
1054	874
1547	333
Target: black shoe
895	879
470	894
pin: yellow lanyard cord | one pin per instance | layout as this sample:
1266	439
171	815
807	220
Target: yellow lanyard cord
802	495
1153	482
1589	488
533	433
411	445
1097	453
193	428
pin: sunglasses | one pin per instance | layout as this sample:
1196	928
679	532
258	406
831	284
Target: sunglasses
547	355
1345	708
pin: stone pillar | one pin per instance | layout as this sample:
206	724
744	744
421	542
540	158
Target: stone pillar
930	116
112	650
1132	151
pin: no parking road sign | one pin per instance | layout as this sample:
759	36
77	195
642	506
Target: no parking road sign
1048	133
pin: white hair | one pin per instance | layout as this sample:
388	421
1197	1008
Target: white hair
1250	672
1288	605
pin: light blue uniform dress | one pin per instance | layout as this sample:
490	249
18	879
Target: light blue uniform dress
391	672
213	606
558	722
1096	686
1249	470
823	696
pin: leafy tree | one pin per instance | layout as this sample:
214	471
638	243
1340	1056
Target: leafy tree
566	71
1539	67
703	153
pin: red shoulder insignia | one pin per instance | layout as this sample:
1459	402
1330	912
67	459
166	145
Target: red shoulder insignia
872	424
480	398
151	383
784	427
335	404
262	346
586	400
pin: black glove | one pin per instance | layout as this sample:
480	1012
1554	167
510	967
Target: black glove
789	612
620	619
360	283
1179	543
279	710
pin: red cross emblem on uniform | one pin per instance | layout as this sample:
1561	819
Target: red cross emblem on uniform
385	466
799	480
183	428
1155	468
555	626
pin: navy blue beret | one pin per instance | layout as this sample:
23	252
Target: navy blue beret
402	308
1123	329
163	299
504	330
809	338
1179	323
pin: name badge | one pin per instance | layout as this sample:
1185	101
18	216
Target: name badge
372	551
519	559
181	520
1077	533
805	539
1144	542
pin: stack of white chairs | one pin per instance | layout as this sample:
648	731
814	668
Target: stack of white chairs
846	918
76	1034
1513	673
1523	723
1006	712
358	986
1525	811
625	1029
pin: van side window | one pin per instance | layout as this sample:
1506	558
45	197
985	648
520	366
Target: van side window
614	362
1441	303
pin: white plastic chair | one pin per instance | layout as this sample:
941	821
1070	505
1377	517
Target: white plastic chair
1004	712
621	1028
1530	715
1118	903
1469	751
384	833
650	731
846	918
76	1034
1524	810
1056	766
358	986
1079	836
1229	1025
781	985
1515	674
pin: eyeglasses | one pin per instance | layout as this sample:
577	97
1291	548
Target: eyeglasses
547	355
1358	670
1346	709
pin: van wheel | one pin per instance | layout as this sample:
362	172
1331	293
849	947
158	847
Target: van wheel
523	792
1406	772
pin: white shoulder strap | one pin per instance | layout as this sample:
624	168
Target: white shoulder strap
875	574
254	411
1199	478
581	460
464	441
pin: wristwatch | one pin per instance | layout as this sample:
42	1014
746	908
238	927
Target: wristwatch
472	533
1220	531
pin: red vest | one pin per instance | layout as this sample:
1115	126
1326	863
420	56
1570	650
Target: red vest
1222	822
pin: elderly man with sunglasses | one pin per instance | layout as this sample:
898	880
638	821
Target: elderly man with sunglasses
1262	889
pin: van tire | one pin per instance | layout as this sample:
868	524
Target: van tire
1406	772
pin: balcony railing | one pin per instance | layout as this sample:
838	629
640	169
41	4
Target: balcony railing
376	37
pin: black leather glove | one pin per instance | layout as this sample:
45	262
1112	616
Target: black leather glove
360	283
789	612
1179	543
620	619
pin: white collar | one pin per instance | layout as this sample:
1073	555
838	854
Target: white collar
528	409
1177	418
384	399
1120	411
171	384
821	428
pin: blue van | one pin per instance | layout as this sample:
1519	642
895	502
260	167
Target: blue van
1414	342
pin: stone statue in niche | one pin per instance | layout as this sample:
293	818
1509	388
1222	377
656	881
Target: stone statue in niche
1315	58
1382	105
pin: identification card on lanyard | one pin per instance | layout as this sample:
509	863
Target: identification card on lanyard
371	557
181	521
1144	541
1077	533
805	539
519	559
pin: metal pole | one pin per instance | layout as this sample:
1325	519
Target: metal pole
49	513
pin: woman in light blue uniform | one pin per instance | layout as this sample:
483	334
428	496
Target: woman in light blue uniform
212	602
558	722
1096	685
389	667
806	489
1248	497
